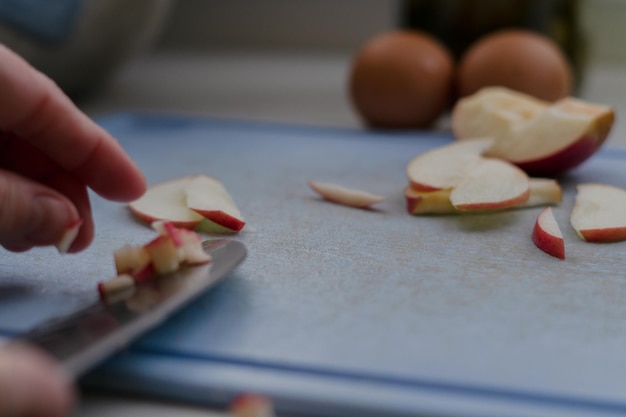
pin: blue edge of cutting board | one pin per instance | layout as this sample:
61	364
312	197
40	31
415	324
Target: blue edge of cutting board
154	368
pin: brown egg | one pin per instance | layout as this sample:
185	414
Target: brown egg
518	59
401	79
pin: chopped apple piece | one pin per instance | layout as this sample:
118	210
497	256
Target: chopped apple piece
599	213
543	192
444	167
70	234
130	259
547	235
251	405
491	184
111	288
208	197
163	255
345	196
542	138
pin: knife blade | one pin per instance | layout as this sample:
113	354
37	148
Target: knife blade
83	339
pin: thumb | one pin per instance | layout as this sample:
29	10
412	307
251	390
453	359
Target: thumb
31	214
31	384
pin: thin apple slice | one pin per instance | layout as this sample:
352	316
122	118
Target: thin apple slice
345	196
599	213
69	236
543	192
491	184
547	235
208	197
444	167
166	201
541	138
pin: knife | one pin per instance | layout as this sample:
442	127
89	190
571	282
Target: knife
81	340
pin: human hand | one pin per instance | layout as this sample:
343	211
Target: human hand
50	154
32	385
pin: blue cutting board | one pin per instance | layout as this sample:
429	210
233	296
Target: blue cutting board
346	312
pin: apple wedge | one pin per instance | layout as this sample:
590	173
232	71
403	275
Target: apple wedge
345	196
491	184
189	202
543	192
547	235
69	236
208	197
541	138
599	213
444	167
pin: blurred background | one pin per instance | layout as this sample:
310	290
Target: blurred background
277	60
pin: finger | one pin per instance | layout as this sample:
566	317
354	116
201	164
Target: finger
35	109
32	214
32	385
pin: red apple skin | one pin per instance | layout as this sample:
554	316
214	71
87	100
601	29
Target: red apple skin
572	156
605	235
550	244
513	202
222	218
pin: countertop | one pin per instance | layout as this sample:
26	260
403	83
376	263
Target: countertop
291	87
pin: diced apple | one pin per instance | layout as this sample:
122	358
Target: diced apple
120	284
251	405
345	196
491	184
543	192
70	234
547	235
599	213
191	248
163	255
130	259
444	167
541	138
208	197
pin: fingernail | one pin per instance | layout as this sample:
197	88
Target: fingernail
49	218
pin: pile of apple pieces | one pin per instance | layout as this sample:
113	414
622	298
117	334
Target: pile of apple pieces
194	202
166	253
458	178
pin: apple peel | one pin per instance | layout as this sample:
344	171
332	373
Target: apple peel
547	235
345	196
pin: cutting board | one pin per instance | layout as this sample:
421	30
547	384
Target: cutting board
346	312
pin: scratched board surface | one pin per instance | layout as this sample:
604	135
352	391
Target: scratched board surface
339	311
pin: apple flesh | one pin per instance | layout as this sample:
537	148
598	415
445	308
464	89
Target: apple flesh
491	184
189	202
444	167
345	196
543	192
547	235
208	197
599	213
69	236
541	138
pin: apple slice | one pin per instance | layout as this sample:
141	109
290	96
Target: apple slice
541	138
345	196
70	234
547	235
444	167
166	201
491	184
208	197
543	192
599	213
191	202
